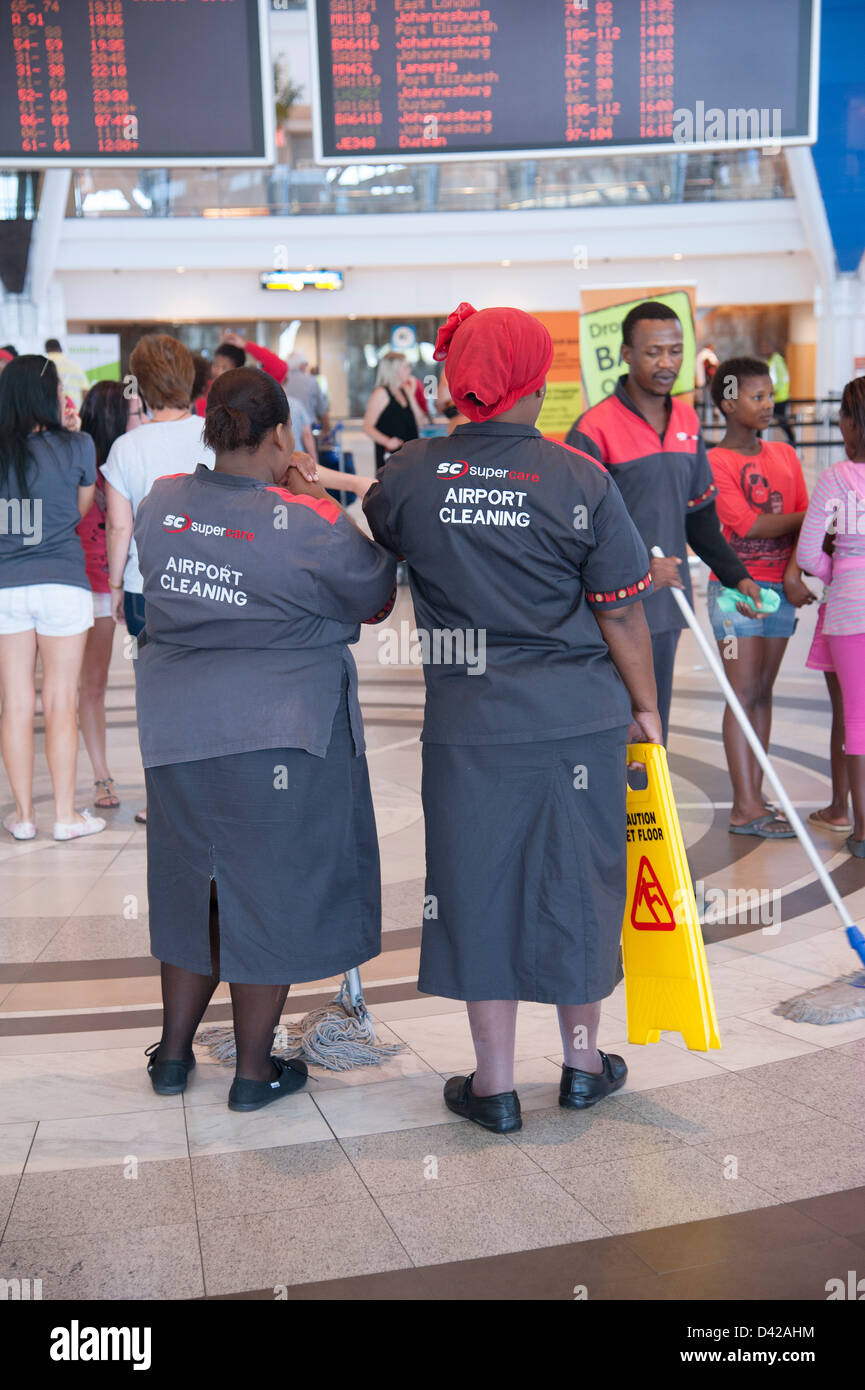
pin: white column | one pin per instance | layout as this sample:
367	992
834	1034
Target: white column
43	252
840	333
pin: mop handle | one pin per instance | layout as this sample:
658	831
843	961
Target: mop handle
758	749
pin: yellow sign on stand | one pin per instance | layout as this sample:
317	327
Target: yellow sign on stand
667	985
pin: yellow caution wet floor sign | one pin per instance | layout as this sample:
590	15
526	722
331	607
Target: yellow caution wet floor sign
666	980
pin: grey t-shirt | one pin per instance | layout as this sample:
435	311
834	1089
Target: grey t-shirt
303	387
252	598
513	544
38	540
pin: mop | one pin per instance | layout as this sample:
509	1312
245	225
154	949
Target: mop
337	1036
842	999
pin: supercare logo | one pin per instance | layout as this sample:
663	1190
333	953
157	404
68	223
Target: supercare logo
174	524
458	468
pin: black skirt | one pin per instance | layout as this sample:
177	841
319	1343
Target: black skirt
290	841
526	848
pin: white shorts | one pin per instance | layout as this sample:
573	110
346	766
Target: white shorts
54	610
101	606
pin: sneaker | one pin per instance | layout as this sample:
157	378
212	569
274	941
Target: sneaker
20	829
74	830
252	1095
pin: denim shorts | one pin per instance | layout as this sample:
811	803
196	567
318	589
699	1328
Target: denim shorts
735	624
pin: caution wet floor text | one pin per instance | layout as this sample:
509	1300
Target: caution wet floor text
667	985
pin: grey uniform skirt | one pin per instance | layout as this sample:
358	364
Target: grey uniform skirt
290	840
526	870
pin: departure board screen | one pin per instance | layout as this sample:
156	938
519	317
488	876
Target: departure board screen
432	79
134	82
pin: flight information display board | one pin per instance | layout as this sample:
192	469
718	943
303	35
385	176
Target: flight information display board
136	82
434	79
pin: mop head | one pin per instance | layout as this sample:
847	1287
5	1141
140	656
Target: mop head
837	1002
331	1036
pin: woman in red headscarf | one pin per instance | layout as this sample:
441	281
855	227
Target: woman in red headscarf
526	574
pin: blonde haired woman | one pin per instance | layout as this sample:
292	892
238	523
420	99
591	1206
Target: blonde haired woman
393	416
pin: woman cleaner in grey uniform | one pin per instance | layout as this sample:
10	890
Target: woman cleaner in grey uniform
262	857
526	574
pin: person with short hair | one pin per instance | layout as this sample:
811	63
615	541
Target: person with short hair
651	443
262	856
47	481
300	384
169	442
761	501
780	376
75	380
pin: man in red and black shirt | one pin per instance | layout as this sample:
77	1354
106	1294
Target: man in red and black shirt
650	441
232	353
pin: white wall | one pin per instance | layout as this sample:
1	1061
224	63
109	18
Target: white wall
425	263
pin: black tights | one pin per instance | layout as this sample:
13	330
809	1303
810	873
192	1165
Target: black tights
256	1010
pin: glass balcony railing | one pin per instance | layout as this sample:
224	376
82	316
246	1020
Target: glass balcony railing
19	196
304	189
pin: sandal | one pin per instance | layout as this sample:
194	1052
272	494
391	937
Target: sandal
141	816
108	800
760	827
817	818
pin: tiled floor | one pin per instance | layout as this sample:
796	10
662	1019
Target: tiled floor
696	1181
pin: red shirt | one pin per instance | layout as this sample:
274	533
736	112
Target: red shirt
754	485
267	360
91	529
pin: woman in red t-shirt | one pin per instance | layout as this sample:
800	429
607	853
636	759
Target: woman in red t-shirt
106	413
762	499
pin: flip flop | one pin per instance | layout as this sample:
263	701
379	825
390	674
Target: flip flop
816	819
758	827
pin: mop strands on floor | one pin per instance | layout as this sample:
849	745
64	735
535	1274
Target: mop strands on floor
843	999
337	1036
838	1002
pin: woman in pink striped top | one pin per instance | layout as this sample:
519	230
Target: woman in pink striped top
837	510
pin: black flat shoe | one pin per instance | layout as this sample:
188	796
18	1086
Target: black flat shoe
168	1078
580	1089
252	1095
856	847
499	1113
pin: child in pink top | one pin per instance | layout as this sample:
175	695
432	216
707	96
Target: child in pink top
837	509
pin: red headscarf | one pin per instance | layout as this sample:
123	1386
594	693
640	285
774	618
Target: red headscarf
494	357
